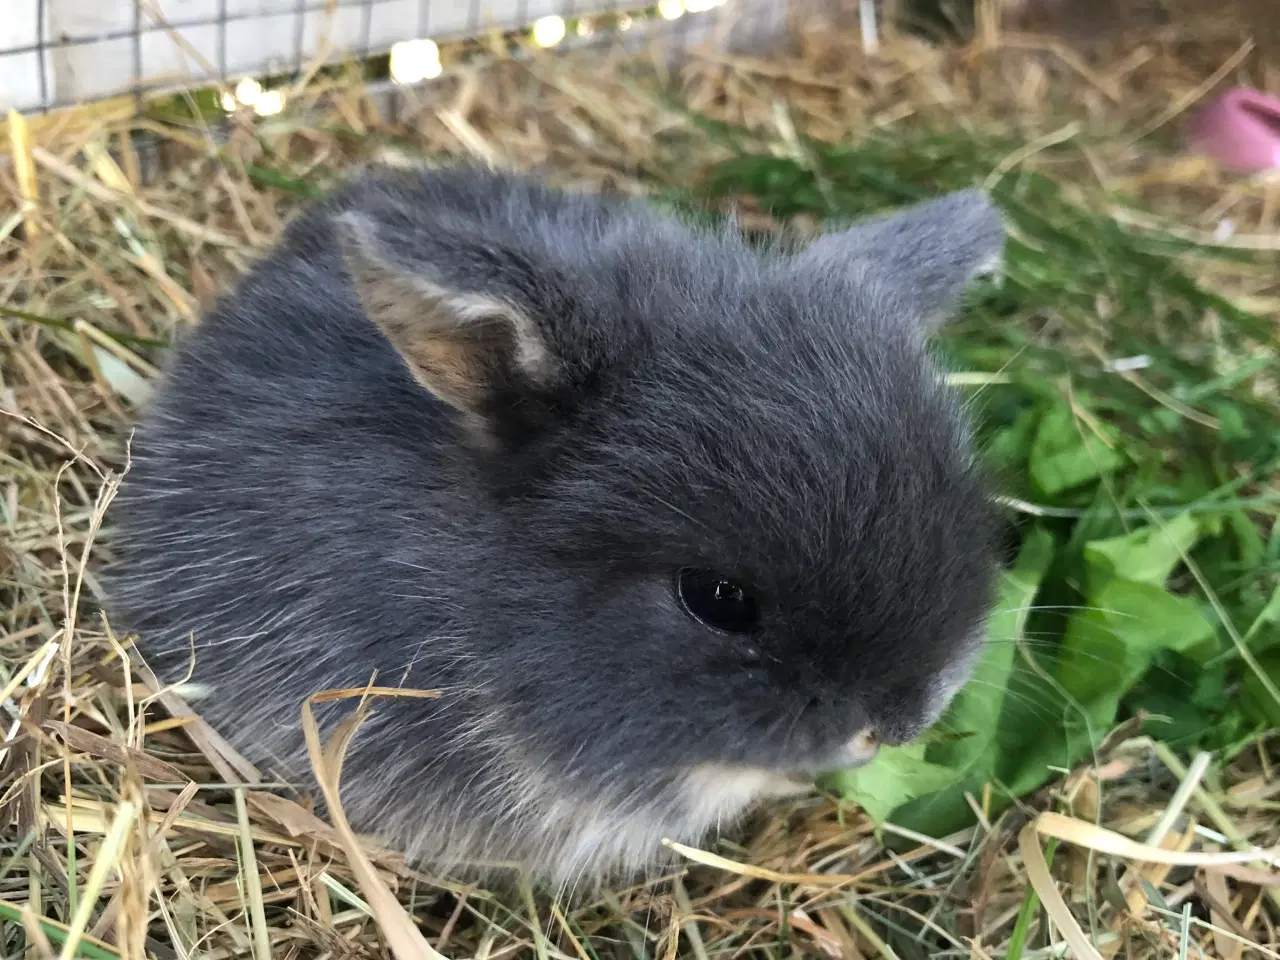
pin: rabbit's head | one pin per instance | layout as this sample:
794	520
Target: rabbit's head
724	513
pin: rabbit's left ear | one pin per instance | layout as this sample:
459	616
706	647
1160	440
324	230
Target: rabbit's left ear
482	353
927	253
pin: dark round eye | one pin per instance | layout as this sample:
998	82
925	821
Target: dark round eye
717	601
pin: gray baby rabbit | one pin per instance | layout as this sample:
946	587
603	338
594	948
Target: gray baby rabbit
674	523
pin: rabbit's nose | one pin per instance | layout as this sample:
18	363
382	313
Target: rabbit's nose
863	746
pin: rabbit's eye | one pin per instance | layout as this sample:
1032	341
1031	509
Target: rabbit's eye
717	601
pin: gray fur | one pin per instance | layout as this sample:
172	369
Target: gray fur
310	512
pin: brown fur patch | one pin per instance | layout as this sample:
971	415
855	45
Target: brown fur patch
456	343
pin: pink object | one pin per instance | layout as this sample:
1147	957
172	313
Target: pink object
1241	129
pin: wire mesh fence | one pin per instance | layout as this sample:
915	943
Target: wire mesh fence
58	53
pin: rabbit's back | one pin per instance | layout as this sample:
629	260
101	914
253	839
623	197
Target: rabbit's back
271	495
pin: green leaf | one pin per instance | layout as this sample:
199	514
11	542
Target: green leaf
1054	722
945	811
1190	697
1108	647
976	709
1148	555
1258	703
1258	636
1067	454
1047	735
897	775
1249	542
1011	446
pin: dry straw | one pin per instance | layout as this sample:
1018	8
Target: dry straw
131	829
402	934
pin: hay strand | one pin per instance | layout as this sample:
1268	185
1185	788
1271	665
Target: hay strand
401	933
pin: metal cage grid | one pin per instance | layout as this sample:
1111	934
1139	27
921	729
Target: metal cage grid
61	53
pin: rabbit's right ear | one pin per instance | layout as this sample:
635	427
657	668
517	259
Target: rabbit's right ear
928	252
473	349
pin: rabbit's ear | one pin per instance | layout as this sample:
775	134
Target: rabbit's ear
467	347
927	253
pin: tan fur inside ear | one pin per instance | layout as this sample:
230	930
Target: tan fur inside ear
459	345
